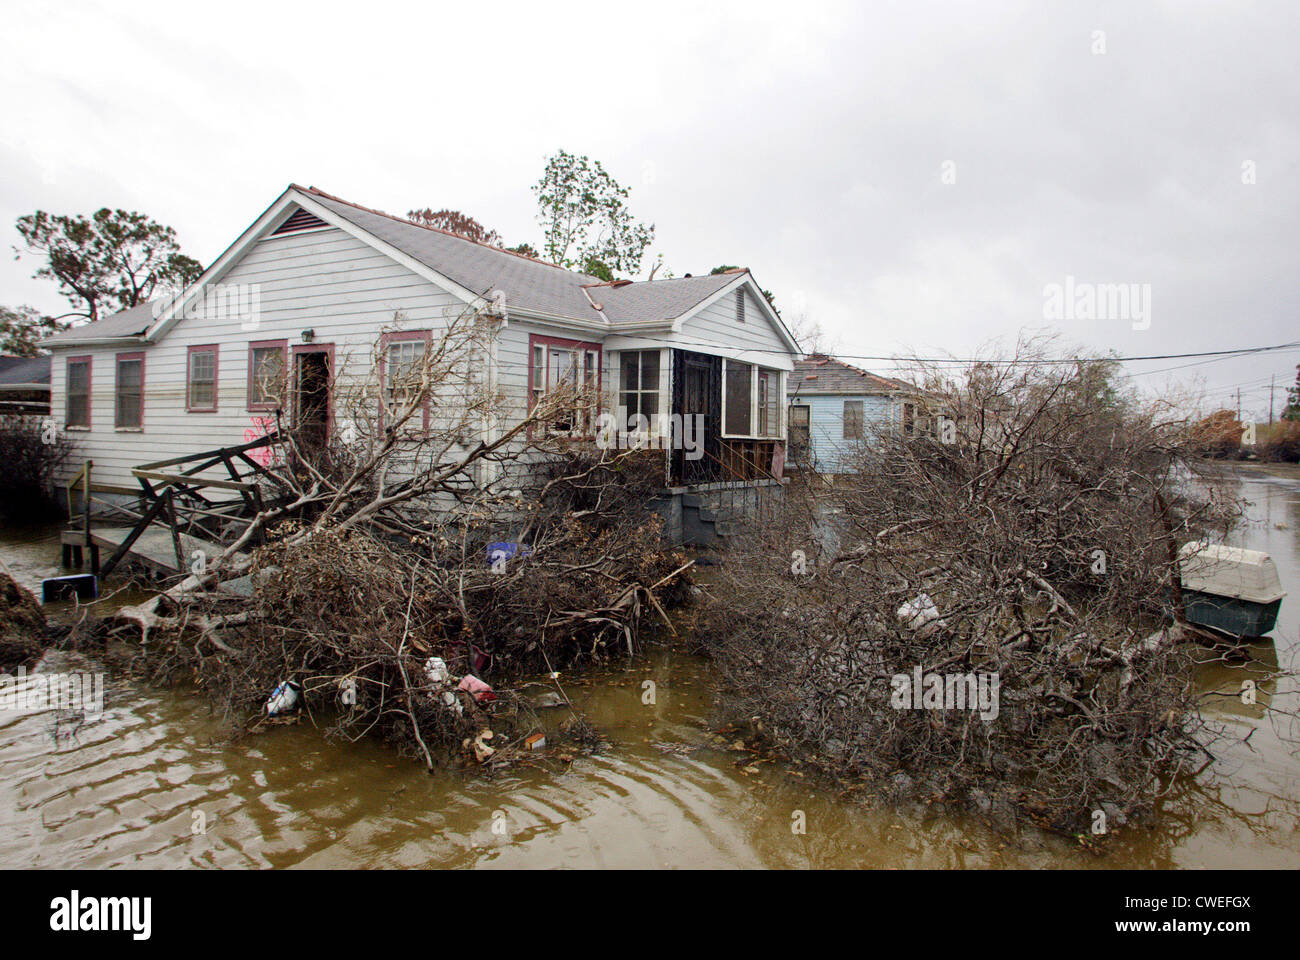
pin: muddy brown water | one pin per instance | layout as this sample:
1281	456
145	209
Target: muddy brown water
152	783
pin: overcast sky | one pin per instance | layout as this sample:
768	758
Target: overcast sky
910	175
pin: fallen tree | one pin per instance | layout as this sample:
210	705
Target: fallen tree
423	547
982	613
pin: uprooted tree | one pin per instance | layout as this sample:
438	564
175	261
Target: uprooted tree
988	611
439	533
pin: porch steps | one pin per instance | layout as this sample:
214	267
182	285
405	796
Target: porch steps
705	523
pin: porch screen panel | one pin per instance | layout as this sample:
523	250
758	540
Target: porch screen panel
769	420
639	383
739	378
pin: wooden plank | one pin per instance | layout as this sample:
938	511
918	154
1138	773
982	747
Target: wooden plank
184	481
124	545
180	551
238	448
154	546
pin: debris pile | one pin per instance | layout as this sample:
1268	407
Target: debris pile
22	626
411	638
417	548
988	620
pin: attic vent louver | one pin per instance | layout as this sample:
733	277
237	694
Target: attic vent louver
740	305
300	220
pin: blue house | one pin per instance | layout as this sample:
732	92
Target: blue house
834	406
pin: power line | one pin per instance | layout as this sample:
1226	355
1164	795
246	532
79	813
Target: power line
1222	354
1218	354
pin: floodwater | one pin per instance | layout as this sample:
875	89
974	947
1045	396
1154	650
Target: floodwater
151	781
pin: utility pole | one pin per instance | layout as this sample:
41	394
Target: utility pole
1239	404
1270	398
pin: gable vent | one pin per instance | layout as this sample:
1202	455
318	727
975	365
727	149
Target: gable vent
301	220
740	305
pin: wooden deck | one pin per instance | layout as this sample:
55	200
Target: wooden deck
153	547
173	499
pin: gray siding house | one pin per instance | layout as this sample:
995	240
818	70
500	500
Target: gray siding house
319	277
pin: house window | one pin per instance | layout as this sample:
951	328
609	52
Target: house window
402	372
565	366
537	376
129	392
563	374
638	384
266	373
909	420
769	389
853	419
77	412
740	305
739	419
201	380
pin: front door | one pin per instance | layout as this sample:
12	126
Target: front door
312	382
698	395
800	422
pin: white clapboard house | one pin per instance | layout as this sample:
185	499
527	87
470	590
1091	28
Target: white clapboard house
163	381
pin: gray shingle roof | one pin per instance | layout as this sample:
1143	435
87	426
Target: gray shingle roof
480	268
657	299
820	374
528	284
127	323
24	371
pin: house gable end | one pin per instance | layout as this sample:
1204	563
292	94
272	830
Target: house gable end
757	309
292	207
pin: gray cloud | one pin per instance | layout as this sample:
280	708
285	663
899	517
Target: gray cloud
804	141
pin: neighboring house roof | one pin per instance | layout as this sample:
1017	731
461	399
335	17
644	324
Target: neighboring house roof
24	373
128	323
818	373
529	285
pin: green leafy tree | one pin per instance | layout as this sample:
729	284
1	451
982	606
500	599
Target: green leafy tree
527	249
598	269
1292	411
108	262
21	329
583	211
